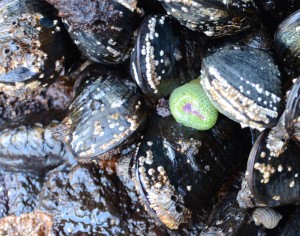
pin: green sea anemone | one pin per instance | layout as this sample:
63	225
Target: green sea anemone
191	107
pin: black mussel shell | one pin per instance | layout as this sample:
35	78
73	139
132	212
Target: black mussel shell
165	56
287	45
178	170
103	30
274	11
227	218
292	112
292	226
244	84
108	110
260	39
32	47
31	149
213	17
273	181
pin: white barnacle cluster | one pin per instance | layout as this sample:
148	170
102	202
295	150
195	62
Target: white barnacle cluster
22	90
265	170
191	146
161	195
130	5
277	139
233	103
121	132
16	42
241	4
115	123
213	21
113	51
148	51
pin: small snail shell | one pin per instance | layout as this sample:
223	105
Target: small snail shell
267	217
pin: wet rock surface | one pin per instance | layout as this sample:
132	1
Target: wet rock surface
18	193
50	104
83	199
31	149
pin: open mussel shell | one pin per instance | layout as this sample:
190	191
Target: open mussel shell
32	47
165	56
287	45
178	170
108	111
273	181
244	84
213	17
292	112
103	30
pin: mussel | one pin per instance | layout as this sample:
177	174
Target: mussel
180	173
103	30
292	225
33	46
260	39
108	110
274	11
292	112
227	218
287	43
244	84
287	127
273	181
213	17
178	170
165	56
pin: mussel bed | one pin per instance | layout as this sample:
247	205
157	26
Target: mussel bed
58	176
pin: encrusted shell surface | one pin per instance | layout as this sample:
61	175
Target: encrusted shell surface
107	111
32	47
228	219
103	30
213	17
292	112
165	56
273	181
244	84
178	170
266	216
